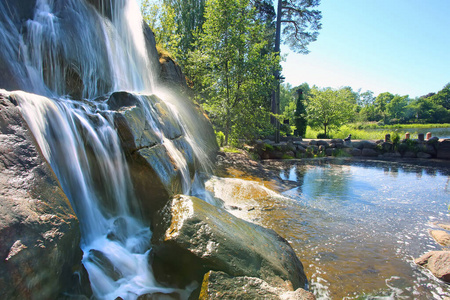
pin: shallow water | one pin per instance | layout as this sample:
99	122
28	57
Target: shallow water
357	226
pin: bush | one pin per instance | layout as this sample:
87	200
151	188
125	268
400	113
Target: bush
322	136
220	137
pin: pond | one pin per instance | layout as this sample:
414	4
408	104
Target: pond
358	225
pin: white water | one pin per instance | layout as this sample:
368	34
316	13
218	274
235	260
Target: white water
69	37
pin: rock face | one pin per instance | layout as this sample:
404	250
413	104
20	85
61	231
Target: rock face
218	285
438	262
153	165
202	237
39	233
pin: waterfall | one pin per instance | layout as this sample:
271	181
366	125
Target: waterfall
68	58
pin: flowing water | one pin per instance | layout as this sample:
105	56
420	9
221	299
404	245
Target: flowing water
69	57
357	226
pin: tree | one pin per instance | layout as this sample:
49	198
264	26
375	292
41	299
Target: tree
301	25
174	23
395	109
329	107
442	97
381	102
160	16
229	68
300	114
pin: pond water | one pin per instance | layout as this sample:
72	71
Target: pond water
357	226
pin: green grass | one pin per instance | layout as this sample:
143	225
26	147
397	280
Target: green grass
365	131
230	149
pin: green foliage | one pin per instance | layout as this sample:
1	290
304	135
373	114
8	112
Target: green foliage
329	107
174	23
229	149
301	23
160	16
442	98
395	138
220	138
300	114
230	69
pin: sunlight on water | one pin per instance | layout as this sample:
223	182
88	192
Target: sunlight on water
358	226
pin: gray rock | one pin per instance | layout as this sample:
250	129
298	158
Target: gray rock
443	151
423	155
337	141
330	151
355	152
409	154
219	285
203	237
438	262
39	233
368	145
369	152
323	143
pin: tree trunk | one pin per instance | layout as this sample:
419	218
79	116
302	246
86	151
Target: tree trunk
325	126
276	93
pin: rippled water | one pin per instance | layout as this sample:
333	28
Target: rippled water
357	226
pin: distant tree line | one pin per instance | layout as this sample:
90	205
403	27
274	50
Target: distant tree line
327	108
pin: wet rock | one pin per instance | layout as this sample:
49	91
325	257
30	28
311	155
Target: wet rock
438	262
441	237
104	263
202	237
39	233
219	285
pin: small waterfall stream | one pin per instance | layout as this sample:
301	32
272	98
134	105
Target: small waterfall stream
68	50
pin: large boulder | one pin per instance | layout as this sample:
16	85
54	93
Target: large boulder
39	233
201	237
219	285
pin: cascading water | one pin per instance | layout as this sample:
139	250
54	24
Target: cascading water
69	50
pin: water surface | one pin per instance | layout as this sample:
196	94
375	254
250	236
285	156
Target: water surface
357	226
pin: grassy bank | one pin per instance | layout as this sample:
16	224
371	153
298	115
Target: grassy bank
371	131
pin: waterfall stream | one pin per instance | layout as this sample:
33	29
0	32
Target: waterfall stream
71	57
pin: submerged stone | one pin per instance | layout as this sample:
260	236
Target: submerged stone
219	285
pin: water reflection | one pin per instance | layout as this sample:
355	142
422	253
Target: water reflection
357	226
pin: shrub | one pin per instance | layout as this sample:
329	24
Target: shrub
220	137
322	136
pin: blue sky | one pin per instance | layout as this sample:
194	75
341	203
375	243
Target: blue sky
397	46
